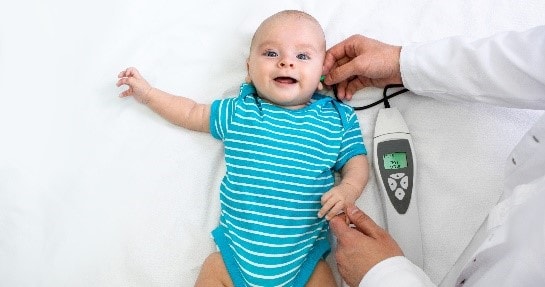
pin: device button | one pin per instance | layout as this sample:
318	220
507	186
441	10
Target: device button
392	183
404	182
400	193
397	175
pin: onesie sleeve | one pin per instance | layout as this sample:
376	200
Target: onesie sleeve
352	141
220	117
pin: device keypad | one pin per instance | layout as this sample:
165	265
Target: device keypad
398	183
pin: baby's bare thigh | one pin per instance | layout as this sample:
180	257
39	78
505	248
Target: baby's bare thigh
214	273
322	276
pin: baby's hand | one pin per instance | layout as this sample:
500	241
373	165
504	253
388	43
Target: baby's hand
138	86
337	199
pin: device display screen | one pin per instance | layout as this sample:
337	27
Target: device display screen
395	160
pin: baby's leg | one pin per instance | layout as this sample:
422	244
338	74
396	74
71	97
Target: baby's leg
214	273
322	276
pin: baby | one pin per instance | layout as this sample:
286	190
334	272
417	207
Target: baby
283	142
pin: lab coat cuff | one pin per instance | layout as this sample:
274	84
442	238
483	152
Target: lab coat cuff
395	271
408	67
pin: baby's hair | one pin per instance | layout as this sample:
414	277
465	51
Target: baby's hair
286	13
297	13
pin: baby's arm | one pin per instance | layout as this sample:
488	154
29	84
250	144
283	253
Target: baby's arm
354	176
176	109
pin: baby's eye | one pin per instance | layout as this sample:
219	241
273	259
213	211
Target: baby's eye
303	57
270	54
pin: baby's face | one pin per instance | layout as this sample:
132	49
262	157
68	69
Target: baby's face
286	59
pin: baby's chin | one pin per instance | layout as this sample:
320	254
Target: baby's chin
286	104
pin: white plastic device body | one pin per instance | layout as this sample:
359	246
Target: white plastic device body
395	169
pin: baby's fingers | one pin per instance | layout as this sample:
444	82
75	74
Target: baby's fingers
121	81
129	72
336	210
331	205
126	93
125	81
125	73
327	203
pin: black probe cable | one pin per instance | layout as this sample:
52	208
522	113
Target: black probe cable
384	99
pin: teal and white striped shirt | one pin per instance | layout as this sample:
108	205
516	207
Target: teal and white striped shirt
279	164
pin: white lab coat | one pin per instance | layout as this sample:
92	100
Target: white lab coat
507	69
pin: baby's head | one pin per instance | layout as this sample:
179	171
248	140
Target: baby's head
286	58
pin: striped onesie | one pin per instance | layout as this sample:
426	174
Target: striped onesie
279	162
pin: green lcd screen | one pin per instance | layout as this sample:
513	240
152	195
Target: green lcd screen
395	160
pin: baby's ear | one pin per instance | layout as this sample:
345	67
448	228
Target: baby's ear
248	79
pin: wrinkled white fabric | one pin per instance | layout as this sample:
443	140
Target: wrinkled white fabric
100	191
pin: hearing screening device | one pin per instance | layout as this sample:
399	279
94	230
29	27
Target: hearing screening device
395	169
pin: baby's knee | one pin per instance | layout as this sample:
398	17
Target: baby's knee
322	276
213	260
213	272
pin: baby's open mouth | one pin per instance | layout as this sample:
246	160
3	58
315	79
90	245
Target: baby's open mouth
286	80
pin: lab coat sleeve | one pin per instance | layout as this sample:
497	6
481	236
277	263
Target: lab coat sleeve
395	271
506	69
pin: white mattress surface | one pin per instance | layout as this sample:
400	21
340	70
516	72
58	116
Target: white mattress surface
100	191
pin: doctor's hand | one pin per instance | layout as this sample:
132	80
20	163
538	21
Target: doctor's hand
362	247
139	88
360	62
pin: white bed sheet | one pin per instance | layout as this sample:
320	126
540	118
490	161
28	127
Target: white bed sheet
99	191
